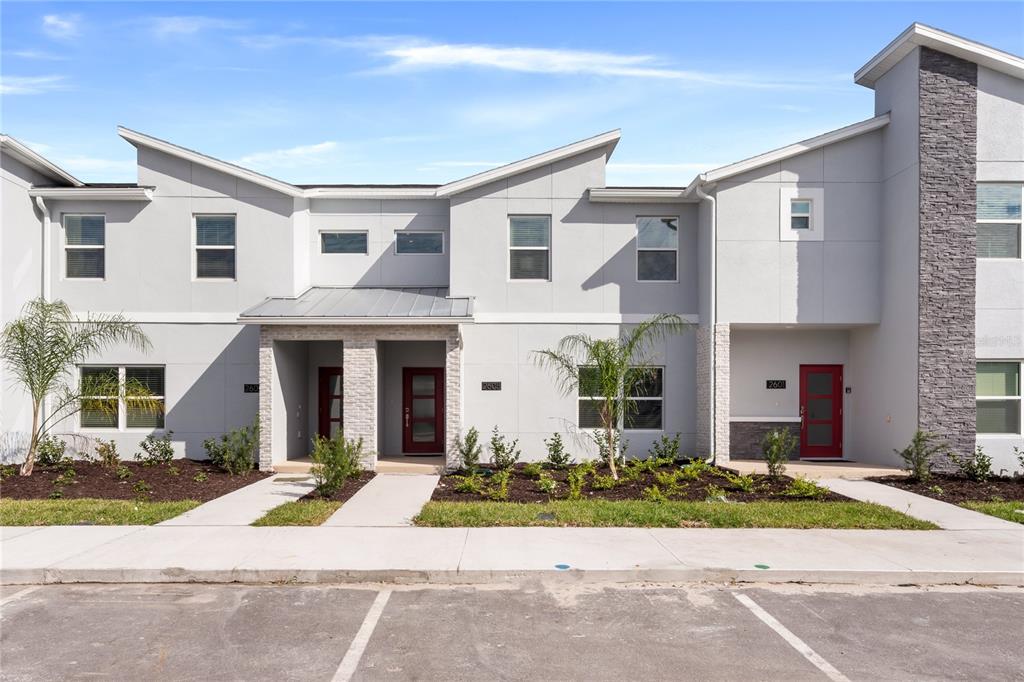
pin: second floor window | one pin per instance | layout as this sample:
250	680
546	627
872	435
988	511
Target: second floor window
344	242
999	220
529	256
85	246
215	247
657	249
419	242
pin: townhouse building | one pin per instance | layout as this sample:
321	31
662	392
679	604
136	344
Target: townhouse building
853	287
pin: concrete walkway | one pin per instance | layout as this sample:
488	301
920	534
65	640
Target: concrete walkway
123	554
387	500
245	505
817	470
942	514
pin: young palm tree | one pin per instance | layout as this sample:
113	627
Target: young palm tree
41	349
610	370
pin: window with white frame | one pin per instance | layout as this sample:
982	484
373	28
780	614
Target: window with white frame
419	242
529	256
215	246
345	241
999	220
107	397
645	398
999	398
657	249
800	214
85	246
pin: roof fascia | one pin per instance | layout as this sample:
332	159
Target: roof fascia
94	193
370	193
638	195
36	161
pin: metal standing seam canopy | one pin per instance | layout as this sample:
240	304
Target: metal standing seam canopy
394	304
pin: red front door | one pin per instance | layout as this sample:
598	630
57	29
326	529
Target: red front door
821	410
331	402
423	410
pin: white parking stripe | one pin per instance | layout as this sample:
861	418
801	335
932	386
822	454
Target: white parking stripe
358	646
19	594
794	641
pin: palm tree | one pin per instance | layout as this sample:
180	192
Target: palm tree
43	346
609	370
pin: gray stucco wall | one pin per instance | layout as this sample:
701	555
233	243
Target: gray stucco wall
948	254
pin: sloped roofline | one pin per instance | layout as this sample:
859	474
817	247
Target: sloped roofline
925	36
26	155
608	139
776	155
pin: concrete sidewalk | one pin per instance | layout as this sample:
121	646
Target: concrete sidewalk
245	505
387	500
483	555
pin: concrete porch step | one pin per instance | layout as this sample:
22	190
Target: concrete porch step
431	466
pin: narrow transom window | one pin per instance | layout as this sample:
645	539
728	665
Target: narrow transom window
657	249
85	246
529	247
215	247
419	242
999	220
645	398
999	397
107	402
344	242
800	214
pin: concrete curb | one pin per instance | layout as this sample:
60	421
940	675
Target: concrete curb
52	576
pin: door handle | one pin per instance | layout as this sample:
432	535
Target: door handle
407	417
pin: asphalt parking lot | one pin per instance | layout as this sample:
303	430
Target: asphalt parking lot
537	632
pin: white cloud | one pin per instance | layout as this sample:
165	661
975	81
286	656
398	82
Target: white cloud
61	26
176	26
30	85
35	54
293	157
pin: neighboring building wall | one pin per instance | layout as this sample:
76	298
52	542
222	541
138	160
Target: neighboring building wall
381	219
948	255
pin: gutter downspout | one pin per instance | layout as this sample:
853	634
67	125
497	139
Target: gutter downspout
45	261
712	311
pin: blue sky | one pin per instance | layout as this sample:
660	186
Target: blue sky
389	92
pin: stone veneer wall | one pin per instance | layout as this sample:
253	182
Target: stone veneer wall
948	252
721	338
359	352
703	390
745	437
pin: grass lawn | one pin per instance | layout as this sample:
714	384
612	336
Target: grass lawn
804	514
308	513
1004	510
87	511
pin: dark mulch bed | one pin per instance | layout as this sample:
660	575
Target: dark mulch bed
94	480
524	489
955	489
345	493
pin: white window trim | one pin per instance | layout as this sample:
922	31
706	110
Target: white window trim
674	280
444	246
660	399
509	248
1019	222
122	403
326	230
196	247
75	247
1001	398
816	231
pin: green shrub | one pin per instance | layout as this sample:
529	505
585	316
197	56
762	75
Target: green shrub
668	479
142	489
742	483
504	453
714	494
50	451
235	451
532	470
498	489
802	487
936	490
156	450
575	480
666	448
201	477
778	445
67	477
173	470
599	482
122	472
546	483
601	438
106	453
470	483
558	458
917	456
56	494
469	450
653	494
335	460
694	469
977	468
